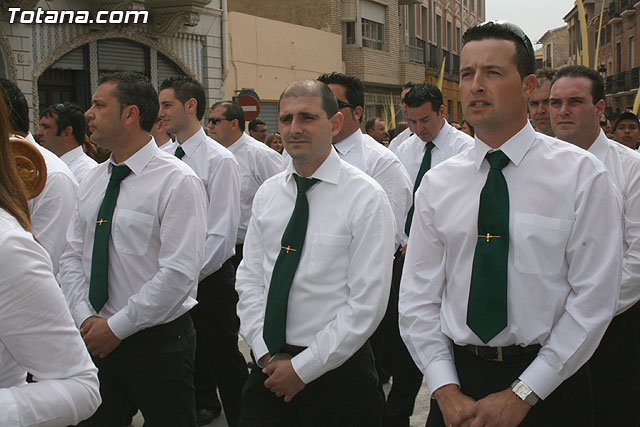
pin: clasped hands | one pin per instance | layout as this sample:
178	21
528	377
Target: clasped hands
502	409
283	379
98	336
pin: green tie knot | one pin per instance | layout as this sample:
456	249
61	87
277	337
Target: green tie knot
304	183
497	160
179	152
430	145
118	173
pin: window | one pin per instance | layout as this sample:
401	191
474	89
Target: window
548	63
458	39
472	5
449	37
425	23
439	30
350	32
632	48
373	24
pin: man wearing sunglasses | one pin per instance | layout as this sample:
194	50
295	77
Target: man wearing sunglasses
62	130
514	257
218	359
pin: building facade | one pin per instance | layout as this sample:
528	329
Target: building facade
555	47
385	43
55	62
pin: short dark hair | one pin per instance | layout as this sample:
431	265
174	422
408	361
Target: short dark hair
627	115
233	111
312	88
67	114
186	88
354	91
423	93
253	124
370	124
597	82
135	89
545	74
408	85
17	105
524	59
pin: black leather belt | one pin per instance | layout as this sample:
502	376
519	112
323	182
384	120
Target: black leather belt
500	354
293	350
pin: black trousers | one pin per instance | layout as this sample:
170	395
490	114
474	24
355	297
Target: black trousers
569	404
218	358
346	396
154	368
615	372
393	358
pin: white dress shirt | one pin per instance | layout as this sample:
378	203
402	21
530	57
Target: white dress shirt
220	174
257	164
565	257
447	143
341	287
37	334
623	165
167	146
51	210
156	245
377	161
78	162
399	139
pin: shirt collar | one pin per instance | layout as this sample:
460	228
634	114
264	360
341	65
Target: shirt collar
237	144
600	146
30	138
515	147
71	155
349	142
192	144
329	170
440	141
139	160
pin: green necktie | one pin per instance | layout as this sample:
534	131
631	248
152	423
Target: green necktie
179	152
275	317
424	167
487	306
99	281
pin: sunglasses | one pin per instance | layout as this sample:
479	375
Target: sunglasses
513	29
216	120
342	104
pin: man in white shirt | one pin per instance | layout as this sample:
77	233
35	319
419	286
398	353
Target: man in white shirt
577	102
257	161
376	130
258	130
218	358
161	136
62	131
381	164
434	141
130	287
50	210
317	366
539	102
626	130
399	139
513	261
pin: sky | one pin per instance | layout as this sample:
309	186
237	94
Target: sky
535	17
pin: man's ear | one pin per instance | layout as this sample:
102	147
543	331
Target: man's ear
336	123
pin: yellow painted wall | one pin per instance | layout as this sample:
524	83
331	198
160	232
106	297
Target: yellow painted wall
268	55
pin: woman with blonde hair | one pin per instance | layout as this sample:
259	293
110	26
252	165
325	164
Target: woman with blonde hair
37	333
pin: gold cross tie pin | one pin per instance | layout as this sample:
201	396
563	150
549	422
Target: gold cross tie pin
288	249
488	236
102	221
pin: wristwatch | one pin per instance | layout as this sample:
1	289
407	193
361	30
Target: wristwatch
524	392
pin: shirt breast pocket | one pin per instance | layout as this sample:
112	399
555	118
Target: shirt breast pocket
131	231
329	258
540	243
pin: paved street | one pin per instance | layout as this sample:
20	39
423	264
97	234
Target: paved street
418	419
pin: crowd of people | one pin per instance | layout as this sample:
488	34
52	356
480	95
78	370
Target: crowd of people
498	259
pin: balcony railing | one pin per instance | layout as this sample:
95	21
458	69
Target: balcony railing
623	81
614	12
447	66
635	78
609	85
455	65
414	52
433	61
